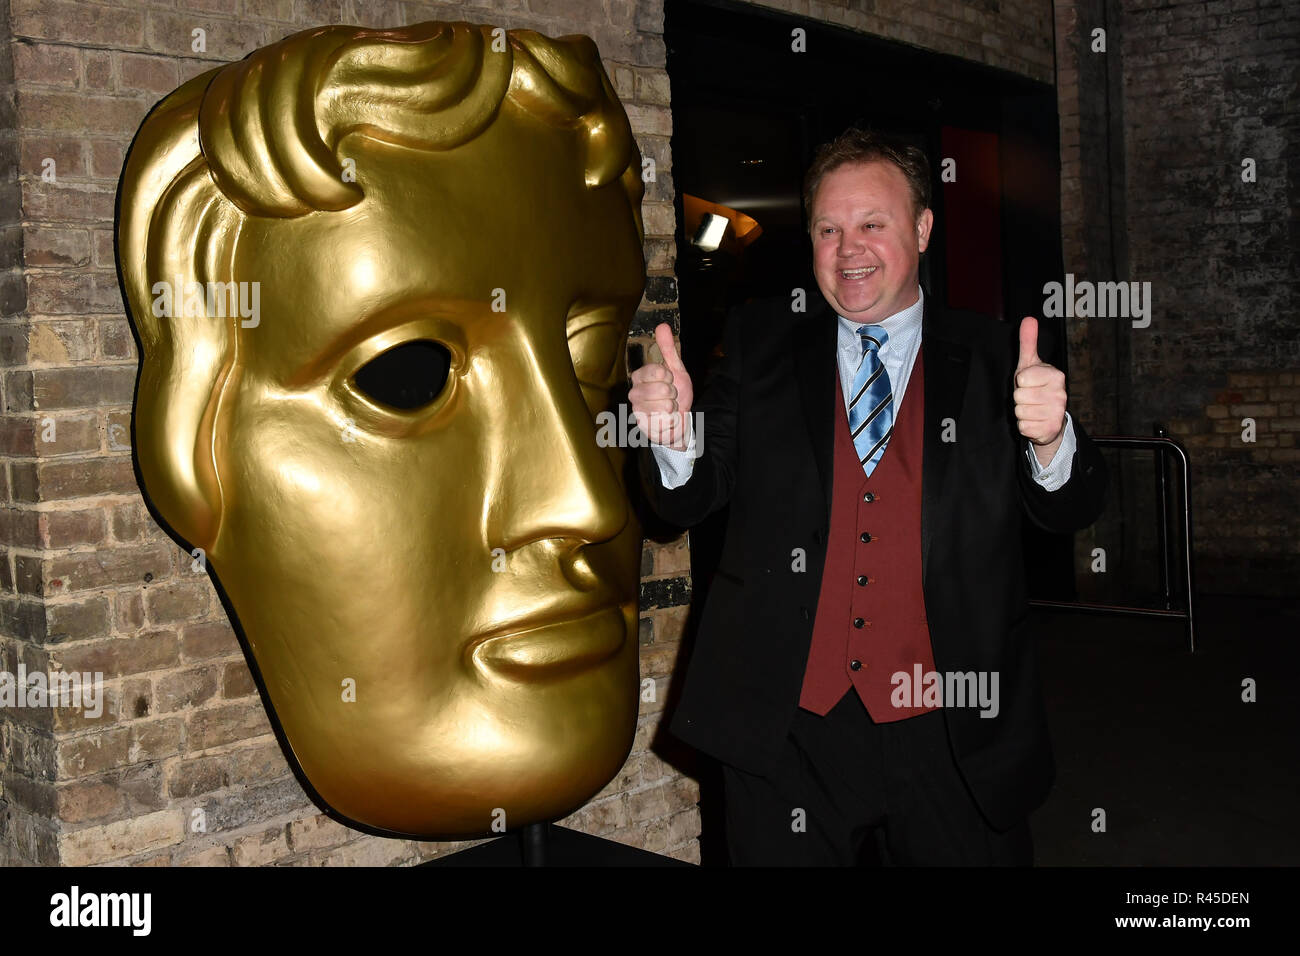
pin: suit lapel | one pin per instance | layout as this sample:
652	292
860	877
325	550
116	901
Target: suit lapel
947	366
817	372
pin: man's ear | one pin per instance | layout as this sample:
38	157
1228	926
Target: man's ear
924	223
172	226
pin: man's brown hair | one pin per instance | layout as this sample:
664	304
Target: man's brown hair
857	145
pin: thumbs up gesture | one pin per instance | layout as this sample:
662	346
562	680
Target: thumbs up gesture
1040	395
661	395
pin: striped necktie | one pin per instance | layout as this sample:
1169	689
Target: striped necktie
871	410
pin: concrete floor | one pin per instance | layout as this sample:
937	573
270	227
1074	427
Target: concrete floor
1187	773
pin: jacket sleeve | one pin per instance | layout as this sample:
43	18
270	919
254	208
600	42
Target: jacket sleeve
713	476
1077	503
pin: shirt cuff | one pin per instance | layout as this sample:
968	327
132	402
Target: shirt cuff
1056	472
676	467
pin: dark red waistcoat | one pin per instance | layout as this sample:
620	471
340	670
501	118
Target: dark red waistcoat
871	621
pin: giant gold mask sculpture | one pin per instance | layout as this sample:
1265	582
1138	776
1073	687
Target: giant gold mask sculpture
382	434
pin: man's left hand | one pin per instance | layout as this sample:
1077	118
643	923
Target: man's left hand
1040	396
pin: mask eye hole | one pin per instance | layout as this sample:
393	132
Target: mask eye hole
407	376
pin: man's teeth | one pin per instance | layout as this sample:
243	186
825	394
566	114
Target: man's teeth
857	273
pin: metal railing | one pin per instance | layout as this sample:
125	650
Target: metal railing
1163	446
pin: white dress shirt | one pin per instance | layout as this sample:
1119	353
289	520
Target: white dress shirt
898	355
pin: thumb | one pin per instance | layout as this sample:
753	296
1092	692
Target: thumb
664	339
1028	343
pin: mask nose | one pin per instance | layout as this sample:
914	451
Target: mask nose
552	480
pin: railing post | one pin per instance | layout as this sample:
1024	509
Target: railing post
1161	445
1162	516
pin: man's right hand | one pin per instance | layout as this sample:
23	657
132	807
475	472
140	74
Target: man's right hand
661	395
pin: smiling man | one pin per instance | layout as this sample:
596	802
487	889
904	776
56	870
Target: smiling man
864	667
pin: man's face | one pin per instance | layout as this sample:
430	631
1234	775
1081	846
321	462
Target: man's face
867	240
442	600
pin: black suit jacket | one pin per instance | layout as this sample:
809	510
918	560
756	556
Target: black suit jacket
767	447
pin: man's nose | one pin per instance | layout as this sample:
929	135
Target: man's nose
850	244
553	480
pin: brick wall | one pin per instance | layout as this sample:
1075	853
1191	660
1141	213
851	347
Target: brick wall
1187	91
88	581
1014	35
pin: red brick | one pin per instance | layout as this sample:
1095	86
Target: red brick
74	22
77	620
55	246
121	656
237	681
129	521
60	341
208	640
156	739
101	241
45	64
20	528
115	339
225	724
186	689
117	431
93	753
128	611
58	435
65	529
170	33
66	202
66	151
57	479
281	10
18	436
108	568
107	158
177	601
54	111
97	71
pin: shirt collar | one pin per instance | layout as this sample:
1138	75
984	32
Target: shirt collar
901	327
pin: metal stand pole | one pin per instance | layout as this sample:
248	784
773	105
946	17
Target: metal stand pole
533	842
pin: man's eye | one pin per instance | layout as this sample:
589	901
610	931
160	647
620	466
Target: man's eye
406	377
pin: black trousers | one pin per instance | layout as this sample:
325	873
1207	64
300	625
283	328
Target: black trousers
847	791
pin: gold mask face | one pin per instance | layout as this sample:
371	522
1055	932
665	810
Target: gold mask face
387	446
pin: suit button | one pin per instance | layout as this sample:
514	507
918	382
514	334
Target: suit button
862	579
869	497
855	665
858	622
865	537
804	612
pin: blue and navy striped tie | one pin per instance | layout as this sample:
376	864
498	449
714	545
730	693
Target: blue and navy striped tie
871	410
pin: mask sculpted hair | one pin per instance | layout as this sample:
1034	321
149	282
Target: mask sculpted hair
259	138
